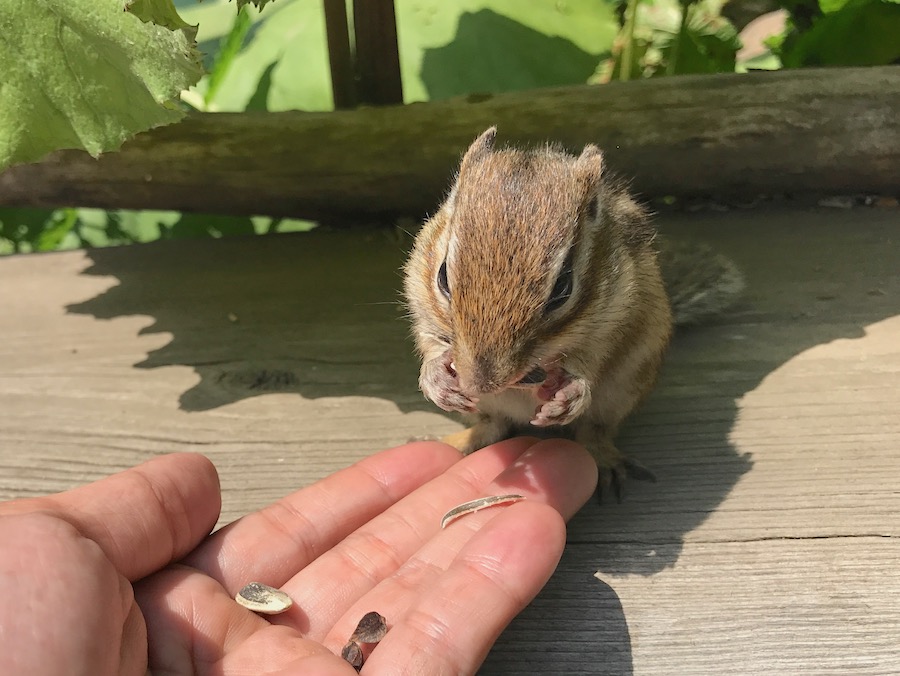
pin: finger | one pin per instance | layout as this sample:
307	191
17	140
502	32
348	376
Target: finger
324	590
196	627
496	574
555	472
133	652
142	518
558	472
272	544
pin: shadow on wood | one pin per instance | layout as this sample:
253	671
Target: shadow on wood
318	315
576	626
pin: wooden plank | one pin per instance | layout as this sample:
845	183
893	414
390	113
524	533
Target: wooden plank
768	544
761	607
788	131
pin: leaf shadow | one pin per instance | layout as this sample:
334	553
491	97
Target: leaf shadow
491	53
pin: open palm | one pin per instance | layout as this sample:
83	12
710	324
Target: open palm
367	538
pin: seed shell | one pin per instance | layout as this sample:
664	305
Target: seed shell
476	505
261	598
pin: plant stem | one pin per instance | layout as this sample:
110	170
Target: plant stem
625	63
682	29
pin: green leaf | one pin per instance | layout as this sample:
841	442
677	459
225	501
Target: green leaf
24	225
707	47
493	53
38	229
675	37
162	13
230	46
286	59
260	98
61	225
456	48
259	4
764	61
861	33
84	74
207	225
284	64
829	6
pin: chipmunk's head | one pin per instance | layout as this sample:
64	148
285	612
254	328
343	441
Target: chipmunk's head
507	270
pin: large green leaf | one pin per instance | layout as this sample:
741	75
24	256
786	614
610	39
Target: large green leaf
228	49
454	48
446	48
667	45
708	44
856	33
286	51
85	74
493	53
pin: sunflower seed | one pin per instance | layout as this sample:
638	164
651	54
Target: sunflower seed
476	505
261	598
371	628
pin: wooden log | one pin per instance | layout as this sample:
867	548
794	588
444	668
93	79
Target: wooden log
833	130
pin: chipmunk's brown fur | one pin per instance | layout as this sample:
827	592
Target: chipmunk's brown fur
550	309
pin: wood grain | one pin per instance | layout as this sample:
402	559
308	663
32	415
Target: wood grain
770	543
832	130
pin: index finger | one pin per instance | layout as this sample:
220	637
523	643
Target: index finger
271	545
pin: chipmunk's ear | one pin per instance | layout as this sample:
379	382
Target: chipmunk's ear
589	169
590	162
480	147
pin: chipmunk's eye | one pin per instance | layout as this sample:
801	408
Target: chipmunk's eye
562	289
443	284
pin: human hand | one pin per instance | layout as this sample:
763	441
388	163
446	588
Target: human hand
67	562
366	538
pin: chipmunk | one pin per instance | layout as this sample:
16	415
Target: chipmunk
537	300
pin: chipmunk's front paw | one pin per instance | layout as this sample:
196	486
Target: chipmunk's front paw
439	382
566	398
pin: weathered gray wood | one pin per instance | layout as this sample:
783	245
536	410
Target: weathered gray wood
790	131
769	545
756	607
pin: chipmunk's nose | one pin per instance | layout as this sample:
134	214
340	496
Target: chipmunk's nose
484	377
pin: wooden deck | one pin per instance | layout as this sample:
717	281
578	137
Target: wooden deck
771	543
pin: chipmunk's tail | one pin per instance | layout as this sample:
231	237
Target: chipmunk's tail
702	284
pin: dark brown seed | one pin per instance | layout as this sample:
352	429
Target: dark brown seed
371	628
352	654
